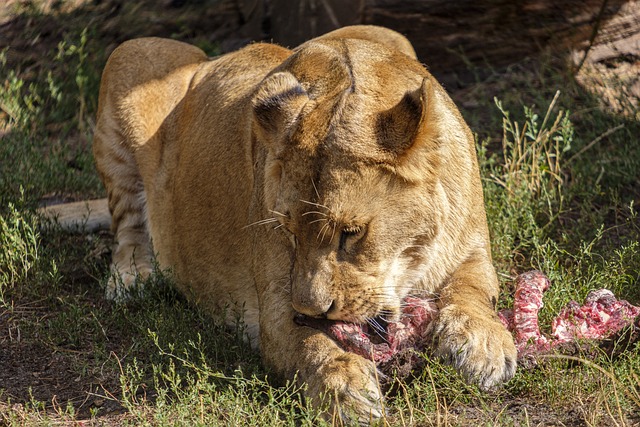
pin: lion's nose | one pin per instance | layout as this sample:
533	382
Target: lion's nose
314	308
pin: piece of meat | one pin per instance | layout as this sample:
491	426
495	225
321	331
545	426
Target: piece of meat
411	331
527	303
601	316
352	337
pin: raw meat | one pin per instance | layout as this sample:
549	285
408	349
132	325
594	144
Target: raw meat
522	321
601	316
410	332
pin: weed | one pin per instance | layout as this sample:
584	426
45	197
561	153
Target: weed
524	189
81	91
19	244
19	100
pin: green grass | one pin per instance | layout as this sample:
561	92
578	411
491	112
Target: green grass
560	177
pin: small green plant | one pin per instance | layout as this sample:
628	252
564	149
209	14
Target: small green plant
19	244
532	153
65	91
73	54
19	100
524	182
188	390
45	123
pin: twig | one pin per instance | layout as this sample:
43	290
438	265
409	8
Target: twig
595	141
551	106
592	38
435	397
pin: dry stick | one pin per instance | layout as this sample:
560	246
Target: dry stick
606	406
594	33
384	411
618	407
201	410
554	166
595	141
526	416
544	135
635	391
551	105
607	409
499	414
331	14
435	395
405	394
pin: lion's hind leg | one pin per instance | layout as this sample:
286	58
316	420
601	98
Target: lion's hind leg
143	82
132	255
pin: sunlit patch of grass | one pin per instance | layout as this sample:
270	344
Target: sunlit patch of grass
19	244
191	392
550	209
523	185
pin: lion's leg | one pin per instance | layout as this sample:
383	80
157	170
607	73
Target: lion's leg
115	161
345	382
468	332
142	83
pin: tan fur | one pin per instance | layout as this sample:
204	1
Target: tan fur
331	180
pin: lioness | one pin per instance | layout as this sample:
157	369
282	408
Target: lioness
331	180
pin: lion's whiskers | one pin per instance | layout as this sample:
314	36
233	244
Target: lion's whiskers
323	230
378	328
333	232
315	204
278	213
314	212
315	188
318	220
261	222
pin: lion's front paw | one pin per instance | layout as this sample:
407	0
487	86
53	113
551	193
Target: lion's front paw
348	383
478	346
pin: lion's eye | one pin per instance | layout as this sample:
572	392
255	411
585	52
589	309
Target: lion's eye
349	232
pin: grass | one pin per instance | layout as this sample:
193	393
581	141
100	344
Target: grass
560	176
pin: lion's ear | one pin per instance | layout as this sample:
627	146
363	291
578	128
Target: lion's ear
408	131
398	126
277	104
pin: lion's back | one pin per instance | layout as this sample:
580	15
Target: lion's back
172	145
206	175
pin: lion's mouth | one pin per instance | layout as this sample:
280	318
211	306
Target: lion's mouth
378	339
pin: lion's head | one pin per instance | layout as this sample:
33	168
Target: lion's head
353	133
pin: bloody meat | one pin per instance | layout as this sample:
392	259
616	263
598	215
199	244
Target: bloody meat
601	316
